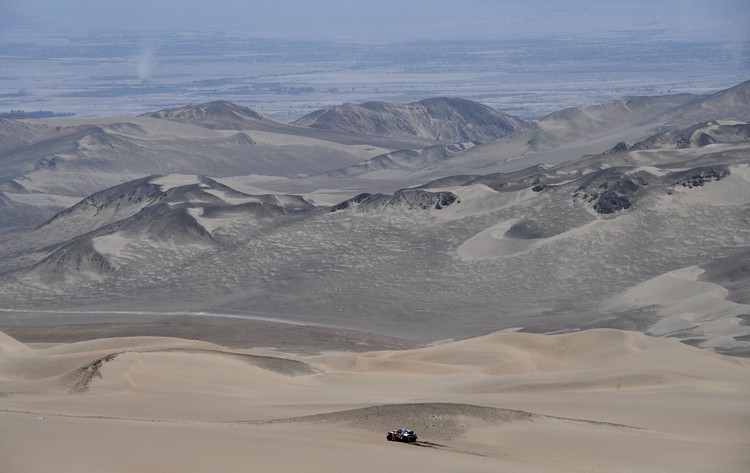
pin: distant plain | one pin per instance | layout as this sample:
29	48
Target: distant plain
99	74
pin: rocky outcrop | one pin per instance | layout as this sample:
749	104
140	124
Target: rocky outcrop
698	136
405	199
697	177
612	189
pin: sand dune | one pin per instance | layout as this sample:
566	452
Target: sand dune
682	302
587	401
436	421
11	346
521	353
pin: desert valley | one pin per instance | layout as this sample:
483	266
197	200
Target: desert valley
204	288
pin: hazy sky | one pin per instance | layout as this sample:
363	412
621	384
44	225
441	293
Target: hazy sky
383	20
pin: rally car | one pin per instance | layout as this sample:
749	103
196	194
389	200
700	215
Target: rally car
402	435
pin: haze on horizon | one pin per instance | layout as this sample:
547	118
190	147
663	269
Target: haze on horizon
288	58
391	20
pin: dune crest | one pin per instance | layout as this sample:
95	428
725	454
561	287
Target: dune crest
516	353
11	346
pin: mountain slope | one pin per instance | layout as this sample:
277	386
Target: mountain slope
442	119
606	239
80	159
571	133
543	249
698	136
175	215
15	133
731	103
15	213
572	124
405	160
218	115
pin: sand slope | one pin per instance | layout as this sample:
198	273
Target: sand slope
599	400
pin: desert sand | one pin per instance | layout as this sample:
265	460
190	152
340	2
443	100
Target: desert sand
598	400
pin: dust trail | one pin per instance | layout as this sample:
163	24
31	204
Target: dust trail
145	62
